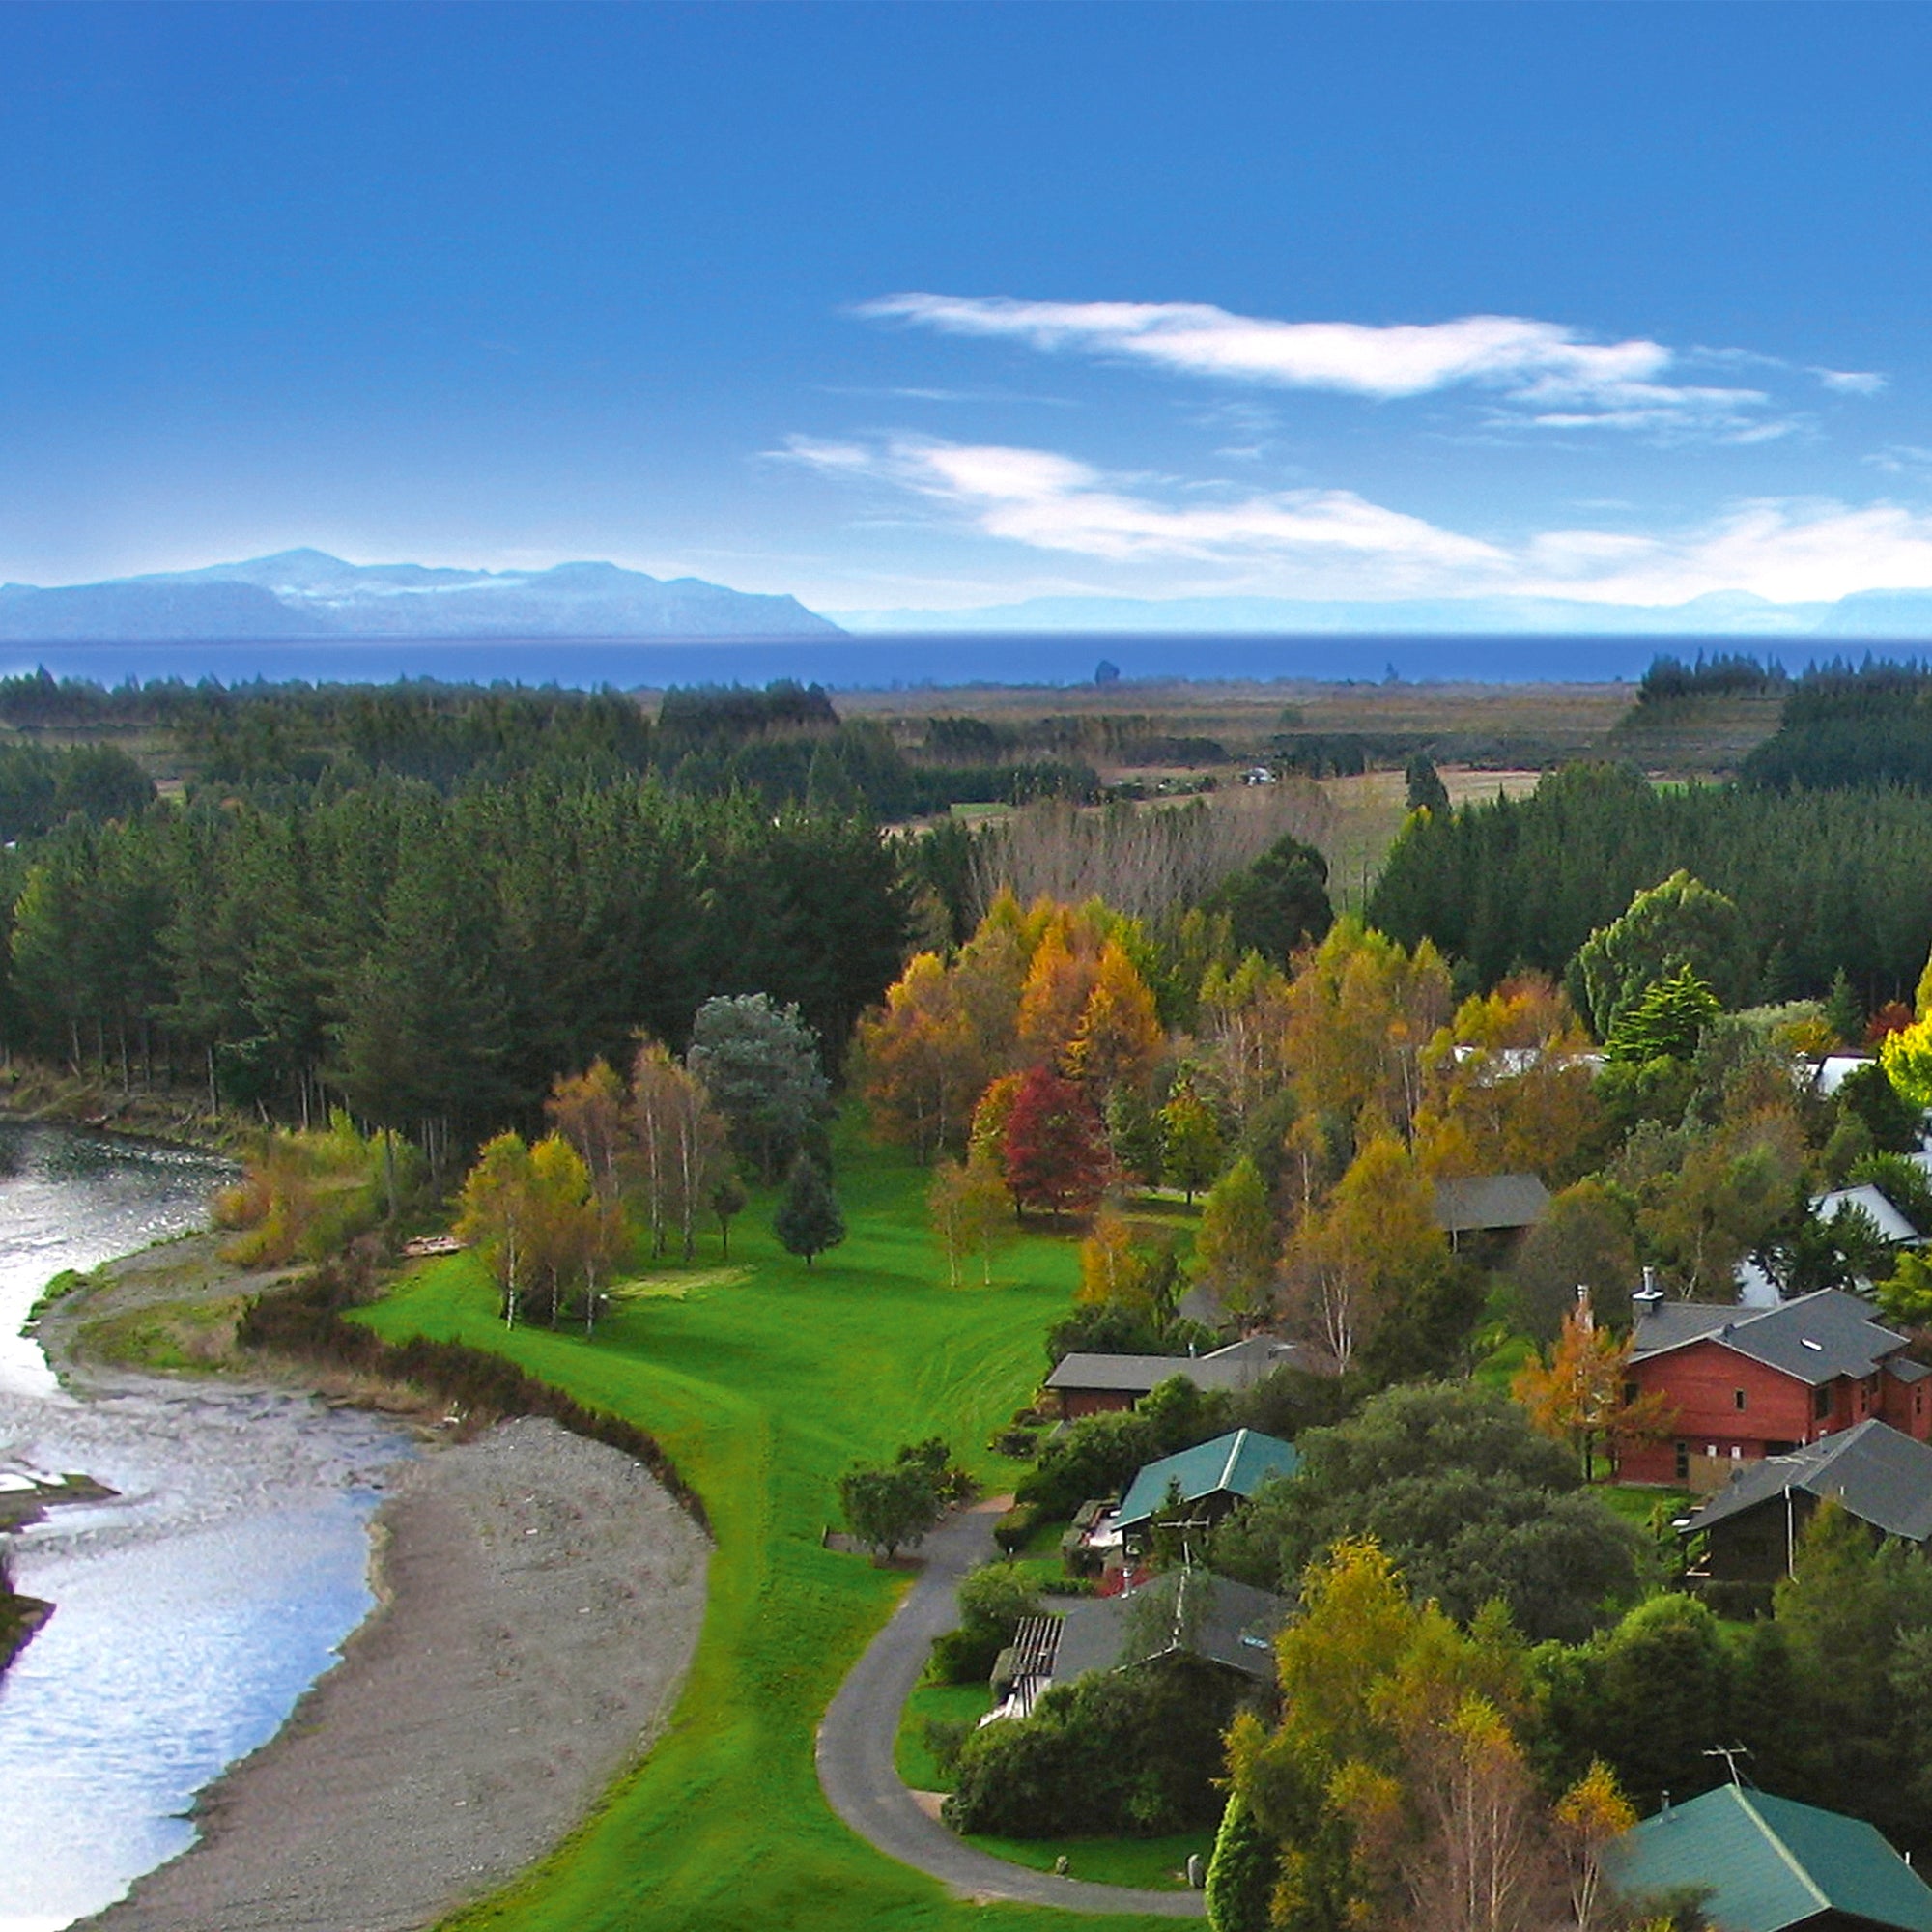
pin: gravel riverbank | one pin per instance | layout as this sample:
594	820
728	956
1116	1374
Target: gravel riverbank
540	1600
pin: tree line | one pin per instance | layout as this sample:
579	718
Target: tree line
432	961
1824	881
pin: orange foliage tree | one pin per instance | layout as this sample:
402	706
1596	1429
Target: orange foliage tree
1118	1036
919	1064
1580	1392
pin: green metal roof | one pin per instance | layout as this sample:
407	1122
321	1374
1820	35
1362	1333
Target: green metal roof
1770	1863
1238	1463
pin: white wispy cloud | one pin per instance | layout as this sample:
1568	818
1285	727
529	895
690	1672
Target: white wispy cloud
1326	542
1049	502
1543	374
1850	381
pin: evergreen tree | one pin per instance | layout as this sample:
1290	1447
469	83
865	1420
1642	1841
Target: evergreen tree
808	1220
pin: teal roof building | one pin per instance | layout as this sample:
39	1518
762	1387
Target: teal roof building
1770	1864
1215	1475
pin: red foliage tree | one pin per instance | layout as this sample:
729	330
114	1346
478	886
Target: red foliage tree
1054	1152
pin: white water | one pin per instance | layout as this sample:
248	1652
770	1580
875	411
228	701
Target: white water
192	1610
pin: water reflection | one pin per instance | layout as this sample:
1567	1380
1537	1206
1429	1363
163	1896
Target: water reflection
193	1608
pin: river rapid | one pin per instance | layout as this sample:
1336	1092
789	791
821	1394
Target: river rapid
196	1606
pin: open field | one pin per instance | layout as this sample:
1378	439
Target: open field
764	1390
1560	720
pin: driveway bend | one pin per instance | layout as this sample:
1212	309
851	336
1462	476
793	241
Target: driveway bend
854	1752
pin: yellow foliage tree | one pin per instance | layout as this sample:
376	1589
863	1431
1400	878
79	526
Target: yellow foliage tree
919	1064
1118	1036
1506	1087
1058	984
1113	1272
1350	1261
1359	1014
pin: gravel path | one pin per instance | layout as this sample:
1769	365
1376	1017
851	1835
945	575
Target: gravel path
541	1601
855	1751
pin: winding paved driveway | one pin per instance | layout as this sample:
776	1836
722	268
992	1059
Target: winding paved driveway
855	1751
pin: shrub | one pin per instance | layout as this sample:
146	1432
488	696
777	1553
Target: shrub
1133	1752
1013	1528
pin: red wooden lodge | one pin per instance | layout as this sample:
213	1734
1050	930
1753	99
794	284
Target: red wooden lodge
1747	1383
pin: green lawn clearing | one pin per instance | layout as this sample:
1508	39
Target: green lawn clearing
764	1391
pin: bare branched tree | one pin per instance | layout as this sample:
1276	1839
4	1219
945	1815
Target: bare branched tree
1143	860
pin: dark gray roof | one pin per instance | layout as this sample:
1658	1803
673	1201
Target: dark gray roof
1191	1611
1490	1201
1238	1365
1881	1476
1130	1375
1815	1338
1902	1369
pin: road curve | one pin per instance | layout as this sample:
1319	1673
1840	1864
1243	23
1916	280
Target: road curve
854	1752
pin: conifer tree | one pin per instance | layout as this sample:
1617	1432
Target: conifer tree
808	1220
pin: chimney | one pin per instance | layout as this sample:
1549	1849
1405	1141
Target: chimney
1649	1298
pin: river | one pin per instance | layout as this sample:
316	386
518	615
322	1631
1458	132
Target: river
192	1609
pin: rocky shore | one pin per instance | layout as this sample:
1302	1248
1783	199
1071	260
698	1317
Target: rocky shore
540	1601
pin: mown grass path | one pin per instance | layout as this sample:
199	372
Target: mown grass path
763	1390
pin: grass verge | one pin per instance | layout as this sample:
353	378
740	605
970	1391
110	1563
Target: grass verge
1158	1864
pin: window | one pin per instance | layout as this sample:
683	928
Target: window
1820	1403
1684	1461
1739	1400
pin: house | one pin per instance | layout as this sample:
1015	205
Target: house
1881	1477
1210	1478
1747	1383
1490	1203
1873	1205
1768	1864
1186	1612
1086	1384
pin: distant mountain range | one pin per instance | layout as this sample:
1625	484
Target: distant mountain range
1901	615
307	593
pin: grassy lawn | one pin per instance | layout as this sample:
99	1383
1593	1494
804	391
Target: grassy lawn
953	1703
765	1388
1160	1864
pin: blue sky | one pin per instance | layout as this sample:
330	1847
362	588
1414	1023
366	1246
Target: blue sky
923	305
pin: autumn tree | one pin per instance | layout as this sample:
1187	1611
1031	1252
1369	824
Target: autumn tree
968	1202
987	1140
1507	1089
1906	1056
1114	1269
1243	1021
1190	1140
1360	1011
1395	1788
1059	981
589	1111
1236	1249
492	1215
919	1065
1350	1261
1055	1156
1119	1036
1580	1392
